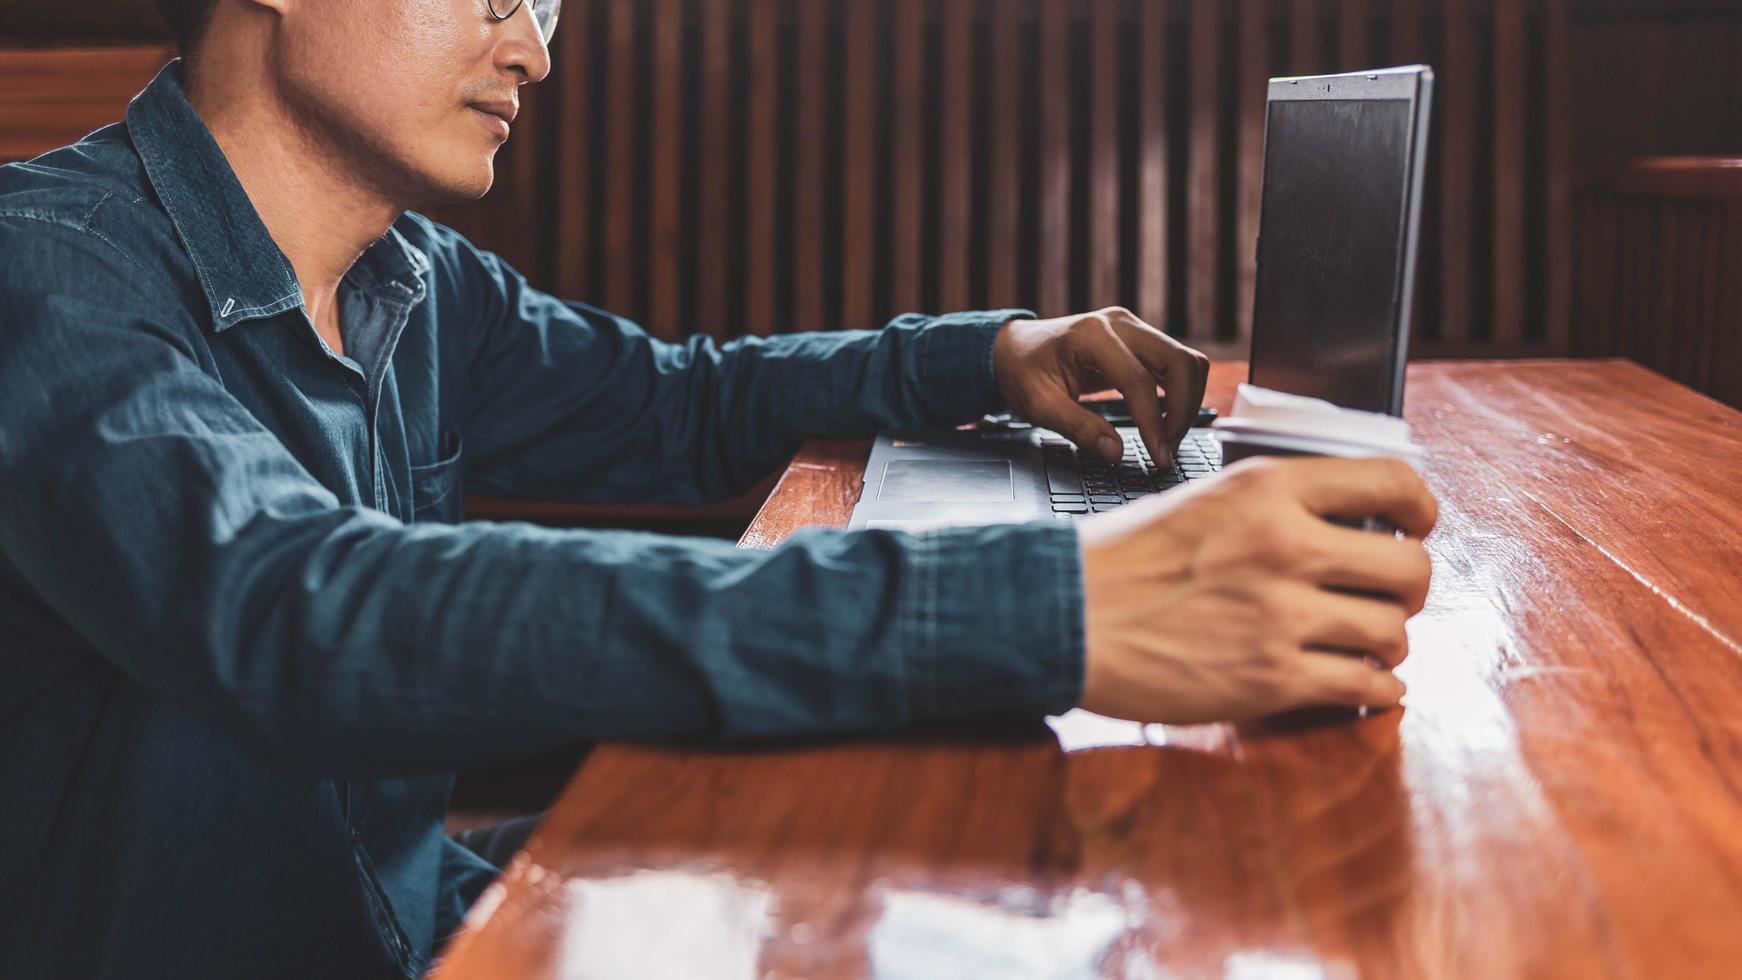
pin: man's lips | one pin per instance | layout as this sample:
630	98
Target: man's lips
497	115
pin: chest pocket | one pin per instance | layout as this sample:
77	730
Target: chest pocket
435	488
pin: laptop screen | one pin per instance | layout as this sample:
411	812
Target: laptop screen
1330	251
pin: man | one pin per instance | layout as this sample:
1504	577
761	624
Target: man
242	393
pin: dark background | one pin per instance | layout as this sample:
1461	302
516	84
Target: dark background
733	166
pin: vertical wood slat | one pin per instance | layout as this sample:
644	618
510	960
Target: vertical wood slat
578	226
1104	124
1153	212
1405	32
752	242
1254	73
1054	159
859	164
1456	92
761	147
954	164
907	218
667	222
1509	80
1727	344
715	193
1204	173
1005	154
1354	42
621	286
1306	54
1557	135
809	165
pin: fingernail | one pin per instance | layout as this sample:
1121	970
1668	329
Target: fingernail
1112	448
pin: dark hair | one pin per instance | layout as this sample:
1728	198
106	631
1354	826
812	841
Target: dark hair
186	19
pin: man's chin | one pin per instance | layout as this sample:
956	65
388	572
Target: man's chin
452	187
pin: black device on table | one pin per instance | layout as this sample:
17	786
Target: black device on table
1344	161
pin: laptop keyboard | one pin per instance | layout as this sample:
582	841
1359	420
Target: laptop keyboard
1082	484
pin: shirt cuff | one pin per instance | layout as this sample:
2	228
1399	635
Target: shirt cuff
993	620
955	366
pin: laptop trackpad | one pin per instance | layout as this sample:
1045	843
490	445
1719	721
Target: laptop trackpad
946	481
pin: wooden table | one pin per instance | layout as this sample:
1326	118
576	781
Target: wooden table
1562	795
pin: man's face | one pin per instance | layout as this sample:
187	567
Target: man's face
415	94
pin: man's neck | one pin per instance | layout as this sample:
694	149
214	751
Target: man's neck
320	217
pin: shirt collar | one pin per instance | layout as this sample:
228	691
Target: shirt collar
243	272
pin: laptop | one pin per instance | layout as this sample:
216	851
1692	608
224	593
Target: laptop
1344	161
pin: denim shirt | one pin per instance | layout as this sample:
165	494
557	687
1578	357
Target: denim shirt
245	634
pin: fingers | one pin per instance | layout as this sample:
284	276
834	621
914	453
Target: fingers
1183	372
1103	352
1361	561
1358	488
1340	679
1067	416
1356	624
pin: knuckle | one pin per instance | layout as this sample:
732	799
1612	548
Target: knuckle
1393	637
1258	475
1283	543
1420	576
1356	687
1402	479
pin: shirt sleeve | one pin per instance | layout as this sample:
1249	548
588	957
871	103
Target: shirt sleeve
570	402
150	511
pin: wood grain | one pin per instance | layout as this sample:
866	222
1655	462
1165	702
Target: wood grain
1508	272
624	272
1105	208
712	220
955	172
669	219
55	97
1659	241
1204	177
574	81
810	161
761	171
1558	797
1153	210
1455	95
864	61
1054	160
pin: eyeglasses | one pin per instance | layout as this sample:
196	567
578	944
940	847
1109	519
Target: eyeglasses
543	11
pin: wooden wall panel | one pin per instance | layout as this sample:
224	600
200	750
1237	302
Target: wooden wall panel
862	111
936	154
1455	147
1053	158
1508	80
670	220
55	97
955	172
1153	206
1204	174
1661	241
810	185
1106	95
1006	148
747	166
620	287
763	191
717	159
1254	74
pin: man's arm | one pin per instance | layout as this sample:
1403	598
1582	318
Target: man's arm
569	402
158	518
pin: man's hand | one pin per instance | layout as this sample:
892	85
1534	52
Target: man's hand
1043	365
1235	598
